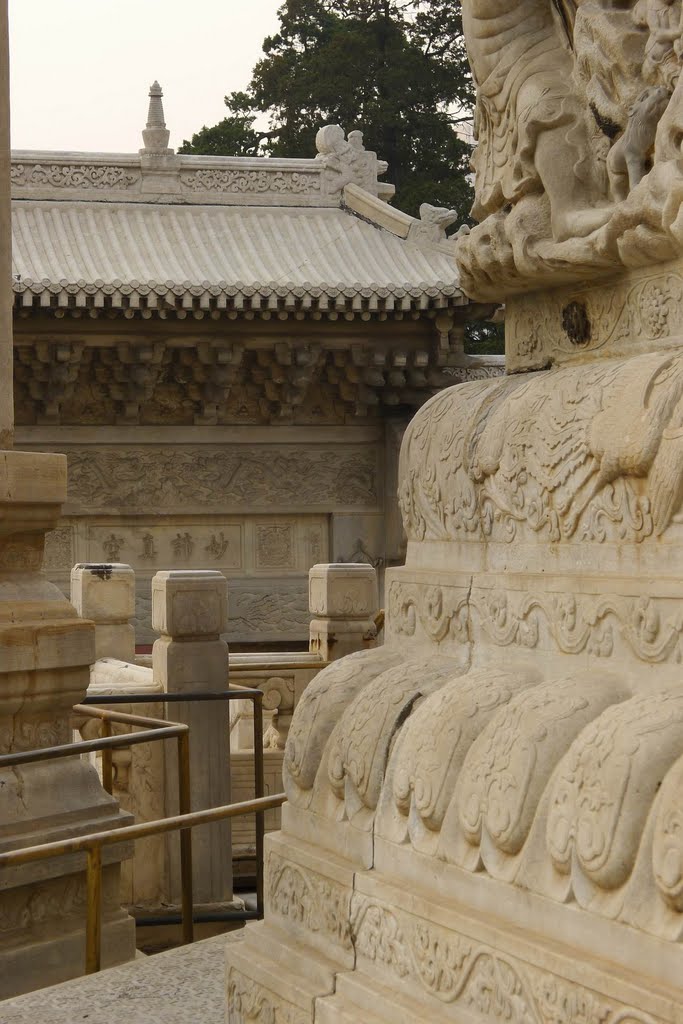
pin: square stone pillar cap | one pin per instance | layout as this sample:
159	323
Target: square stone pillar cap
346	590
190	603
103	591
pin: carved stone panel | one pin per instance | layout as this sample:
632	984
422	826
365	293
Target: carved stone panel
164	479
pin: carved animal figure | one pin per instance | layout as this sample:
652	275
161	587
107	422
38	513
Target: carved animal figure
531	128
630	157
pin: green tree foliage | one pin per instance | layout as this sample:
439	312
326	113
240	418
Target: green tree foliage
396	69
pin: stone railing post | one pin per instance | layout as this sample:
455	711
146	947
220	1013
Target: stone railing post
343	599
189	610
105	594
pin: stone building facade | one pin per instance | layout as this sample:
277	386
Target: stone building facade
228	349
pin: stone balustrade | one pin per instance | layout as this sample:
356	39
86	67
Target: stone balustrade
189	613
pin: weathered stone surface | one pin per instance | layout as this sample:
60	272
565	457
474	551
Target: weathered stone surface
498	787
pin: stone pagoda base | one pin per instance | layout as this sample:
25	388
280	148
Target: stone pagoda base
45	654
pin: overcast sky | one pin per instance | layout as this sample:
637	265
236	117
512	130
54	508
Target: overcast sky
81	69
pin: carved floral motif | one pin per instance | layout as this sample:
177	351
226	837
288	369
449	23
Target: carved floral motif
240	181
249	1003
456	969
310	900
651	628
648	307
81	176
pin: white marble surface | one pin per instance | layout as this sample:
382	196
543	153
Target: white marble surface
180	985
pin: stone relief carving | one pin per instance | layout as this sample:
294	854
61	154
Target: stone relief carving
320	707
476	461
274	546
218	545
175	478
608	783
638	312
310	900
81	176
183	546
456	969
579	106
111	546
650	629
667	846
59	549
359	746
149	552
240	181
280	612
248	1004
432	747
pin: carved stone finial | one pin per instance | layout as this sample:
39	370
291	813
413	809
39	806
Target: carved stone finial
155	135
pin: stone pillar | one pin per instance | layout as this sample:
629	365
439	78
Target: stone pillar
106	594
190	610
6	391
45	656
342	597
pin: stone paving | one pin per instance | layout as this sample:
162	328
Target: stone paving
171	988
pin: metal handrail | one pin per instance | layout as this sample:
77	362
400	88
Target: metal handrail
92	845
185	821
154	729
256	697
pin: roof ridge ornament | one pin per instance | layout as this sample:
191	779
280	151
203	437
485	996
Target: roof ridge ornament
346	161
155	135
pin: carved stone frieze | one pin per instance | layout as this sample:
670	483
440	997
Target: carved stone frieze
249	1003
456	969
549	457
212	477
309	900
641	310
206	179
648	628
74	176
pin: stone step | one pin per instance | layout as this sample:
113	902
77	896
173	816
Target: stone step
180	985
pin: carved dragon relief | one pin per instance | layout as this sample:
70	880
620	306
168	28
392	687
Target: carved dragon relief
578	117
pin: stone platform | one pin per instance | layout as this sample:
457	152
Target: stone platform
171	988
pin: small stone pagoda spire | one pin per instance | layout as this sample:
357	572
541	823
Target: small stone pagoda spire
155	136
